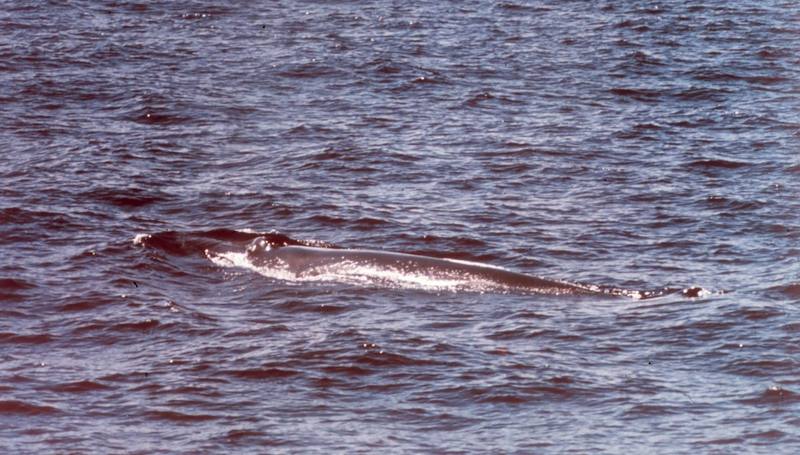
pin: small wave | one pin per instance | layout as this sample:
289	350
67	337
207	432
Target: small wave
235	435
296	306
418	82
521	7
693	123
712	75
511	168
524	394
461	243
159	118
501	398
263	373
303	130
647	409
733	205
385	67
790	290
427	80
327	220
717	164
773	395
86	303
11	297
369	223
50	220
643	58
383	359
638	94
15	284
719	76
388	68
725	441
308	71
701	94
519	333
126	197
21	407
141	326
769	435
180	417
476	100
14	338
763	368
349	370
361	224
79	387
773	53
11	289
756	314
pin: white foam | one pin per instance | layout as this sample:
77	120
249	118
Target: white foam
140	238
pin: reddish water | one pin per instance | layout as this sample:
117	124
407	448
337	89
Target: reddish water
635	146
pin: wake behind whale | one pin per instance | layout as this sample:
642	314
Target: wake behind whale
300	261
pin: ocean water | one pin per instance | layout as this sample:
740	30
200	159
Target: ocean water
633	145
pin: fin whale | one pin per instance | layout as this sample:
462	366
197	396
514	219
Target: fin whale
277	255
308	261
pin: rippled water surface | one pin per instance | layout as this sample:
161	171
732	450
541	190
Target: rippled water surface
630	145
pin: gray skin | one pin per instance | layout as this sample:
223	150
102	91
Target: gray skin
307	261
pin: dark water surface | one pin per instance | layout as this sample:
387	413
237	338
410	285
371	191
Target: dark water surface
630	144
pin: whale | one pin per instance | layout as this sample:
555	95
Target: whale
281	257
308	262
